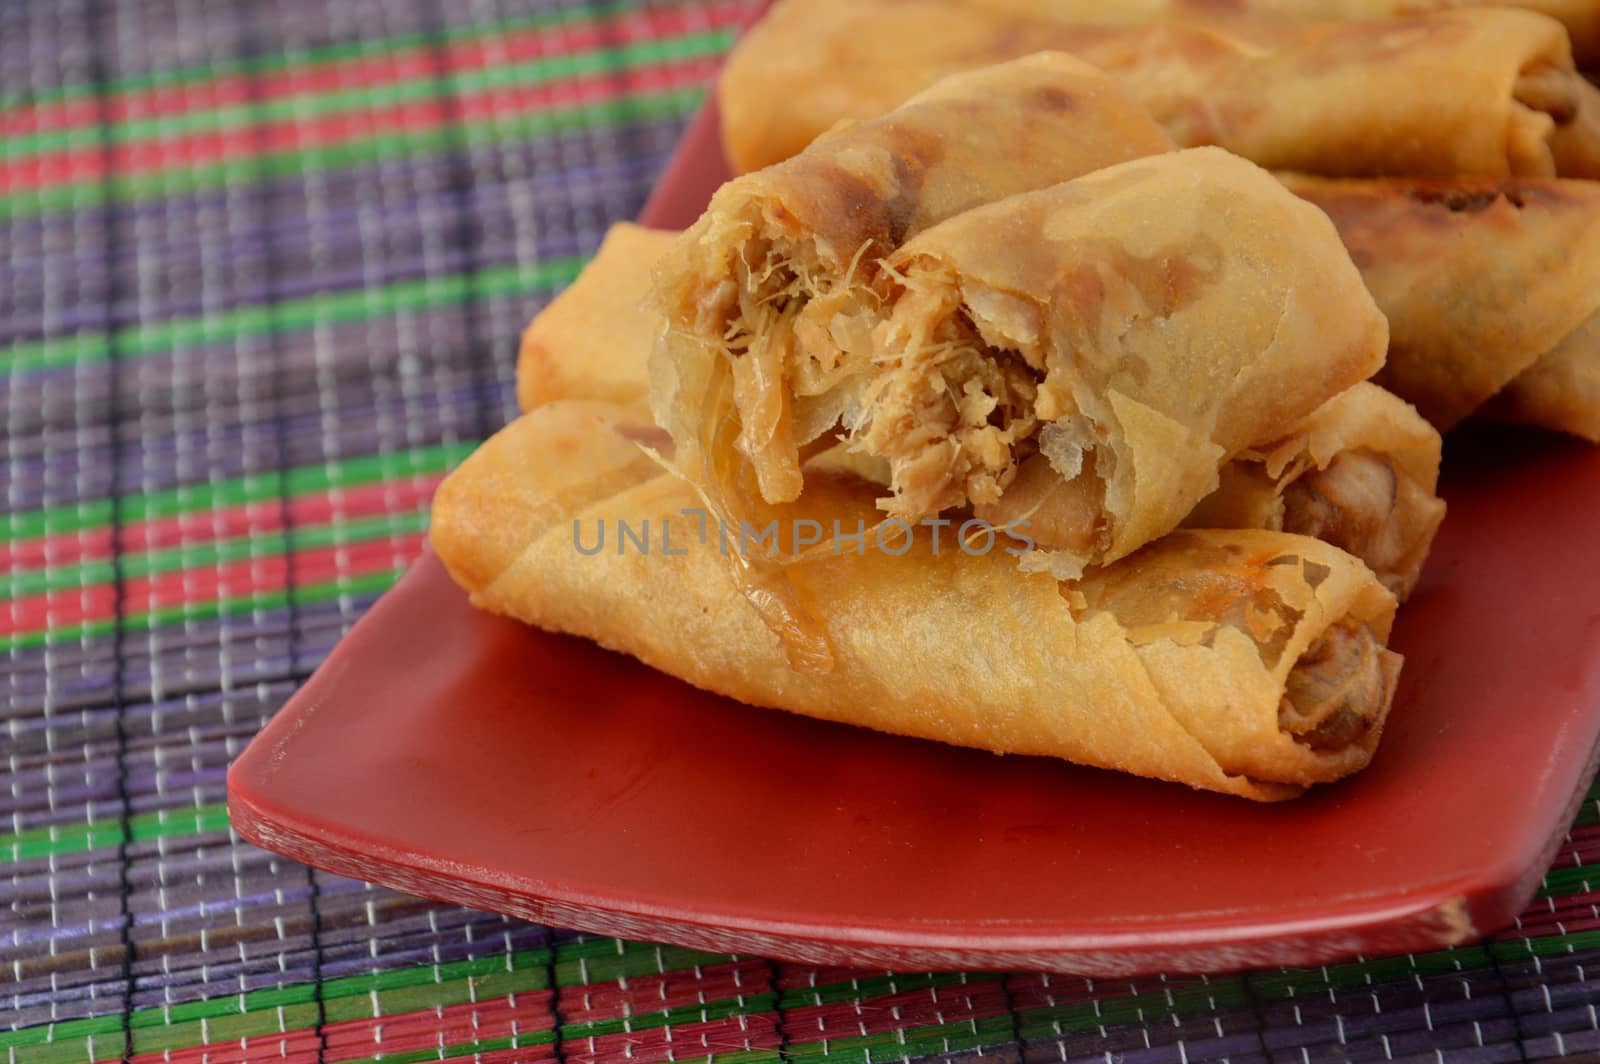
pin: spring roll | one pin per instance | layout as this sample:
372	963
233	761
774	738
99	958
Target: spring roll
788	258
1560	391
1473	91
1490	287
1251	663
1580	17
1361	472
587	342
1082	357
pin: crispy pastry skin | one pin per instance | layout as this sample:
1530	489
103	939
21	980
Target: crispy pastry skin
1086	356
786	260
589	341
1489	286
1366	436
1580	17
1361	472
1250	663
1561	390
1339	98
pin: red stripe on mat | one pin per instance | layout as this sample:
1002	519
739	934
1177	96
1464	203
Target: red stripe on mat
205	526
453	1025
406	64
680	1040
198	149
233	580
290	1047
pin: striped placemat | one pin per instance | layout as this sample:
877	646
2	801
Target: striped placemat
262	269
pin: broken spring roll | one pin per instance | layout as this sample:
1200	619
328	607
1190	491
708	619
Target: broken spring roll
1490	287
1084	358
1580	17
1251	663
787	259
1361	473
590	342
1340	98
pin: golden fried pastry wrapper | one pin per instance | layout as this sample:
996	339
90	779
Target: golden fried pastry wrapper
1250	663
1489	286
766	292
1361	472
815	228
1580	17
1561	390
1087	356
1362	431
589	342
1472	91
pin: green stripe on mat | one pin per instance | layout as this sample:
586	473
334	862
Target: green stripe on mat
298	161
238	491
610	60
1571	879
410	990
324	308
311	594
255	545
103	834
369	48
1589	811
343	1001
600	961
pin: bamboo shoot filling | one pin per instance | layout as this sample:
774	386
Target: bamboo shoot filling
792	337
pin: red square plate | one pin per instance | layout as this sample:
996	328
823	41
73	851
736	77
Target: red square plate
467	758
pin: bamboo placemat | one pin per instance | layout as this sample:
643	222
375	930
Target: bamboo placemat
262	269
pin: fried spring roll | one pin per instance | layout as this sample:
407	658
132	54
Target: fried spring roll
1560	391
1490	287
1338	98
588	342
786	257
786	260
1580	17
1251	663
1361	472
1085	357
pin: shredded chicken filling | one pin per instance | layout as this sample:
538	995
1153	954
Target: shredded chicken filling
953	417
1338	690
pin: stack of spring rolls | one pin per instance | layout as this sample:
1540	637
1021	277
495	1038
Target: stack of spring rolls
1456	148
1017	404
